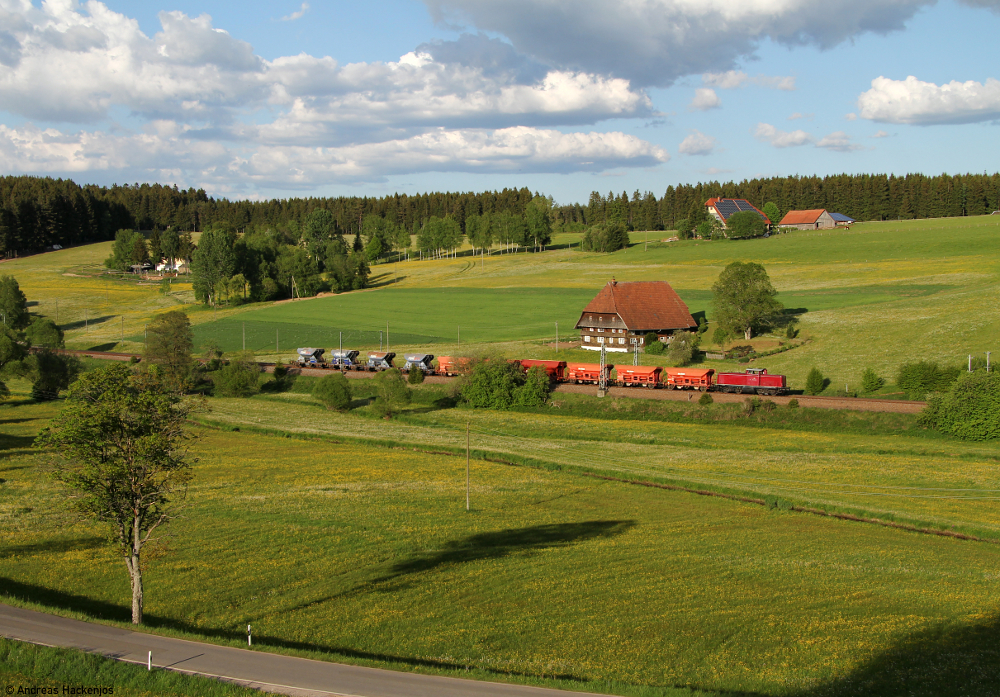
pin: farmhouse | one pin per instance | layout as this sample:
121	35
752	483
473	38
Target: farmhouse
623	313
722	208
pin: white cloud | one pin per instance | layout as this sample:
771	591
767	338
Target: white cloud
880	134
912	101
797	115
781	139
732	79
169	153
851	117
201	91
654	42
298	14
697	143
839	142
705	98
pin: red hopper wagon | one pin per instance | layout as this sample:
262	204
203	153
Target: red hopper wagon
585	372
641	375
754	381
688	378
452	365
556	370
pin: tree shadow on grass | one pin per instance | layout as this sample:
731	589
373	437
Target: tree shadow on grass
84	323
52	547
10	442
944	661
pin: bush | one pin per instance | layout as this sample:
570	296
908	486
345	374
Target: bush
705	399
240	378
870	381
333	391
791	331
609	237
44	332
498	384
391	393
681	348
917	379
415	377
970	410
653	346
745	224
50	373
768	406
815	382
793	403
720	336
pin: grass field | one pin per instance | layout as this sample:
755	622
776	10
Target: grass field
25	666
873	465
877	296
350	552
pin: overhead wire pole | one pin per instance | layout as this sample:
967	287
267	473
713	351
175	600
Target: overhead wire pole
468	425
602	377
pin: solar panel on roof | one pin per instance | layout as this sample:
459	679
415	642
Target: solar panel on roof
743	205
841	218
726	207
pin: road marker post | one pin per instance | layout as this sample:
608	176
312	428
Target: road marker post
249	639
149	661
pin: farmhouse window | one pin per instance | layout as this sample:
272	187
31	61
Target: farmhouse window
621	341
587	338
600	339
601	329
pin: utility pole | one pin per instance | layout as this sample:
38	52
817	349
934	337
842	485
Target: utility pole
459	336
557	337
123	327
467	458
276	341
987	361
602	377
386	336
244	336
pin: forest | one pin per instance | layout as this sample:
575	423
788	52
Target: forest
39	212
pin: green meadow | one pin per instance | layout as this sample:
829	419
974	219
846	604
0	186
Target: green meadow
345	537
351	552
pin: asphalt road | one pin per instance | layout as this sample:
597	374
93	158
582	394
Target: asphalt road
269	672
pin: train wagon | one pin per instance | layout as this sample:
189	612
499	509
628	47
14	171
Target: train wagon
688	378
379	360
454	365
311	357
346	360
640	375
556	370
419	361
753	381
585	372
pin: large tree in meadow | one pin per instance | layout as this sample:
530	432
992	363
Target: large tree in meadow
169	342
13	304
744	299
118	444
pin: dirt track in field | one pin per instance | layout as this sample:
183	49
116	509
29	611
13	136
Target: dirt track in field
854	404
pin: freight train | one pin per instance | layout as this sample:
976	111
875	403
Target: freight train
752	381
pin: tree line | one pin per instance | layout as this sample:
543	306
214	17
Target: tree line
39	212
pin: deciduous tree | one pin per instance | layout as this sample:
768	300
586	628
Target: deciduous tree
744	298
118	443
13	304
169	342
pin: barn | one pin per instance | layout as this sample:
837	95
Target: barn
814	219
722	208
621	315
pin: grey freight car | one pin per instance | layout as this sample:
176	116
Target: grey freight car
346	360
312	357
419	361
378	360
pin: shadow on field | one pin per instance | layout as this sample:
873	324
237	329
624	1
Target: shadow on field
938	662
493	545
86	322
52	547
9	442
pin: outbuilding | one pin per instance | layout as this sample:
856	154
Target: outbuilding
813	219
623	313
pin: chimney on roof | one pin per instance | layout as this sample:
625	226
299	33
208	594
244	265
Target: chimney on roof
613	281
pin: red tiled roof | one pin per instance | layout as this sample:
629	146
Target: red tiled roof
642	305
802	217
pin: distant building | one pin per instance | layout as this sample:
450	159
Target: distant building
842	220
722	208
623	313
815	219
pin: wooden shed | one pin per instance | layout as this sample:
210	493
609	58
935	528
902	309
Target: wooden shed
814	219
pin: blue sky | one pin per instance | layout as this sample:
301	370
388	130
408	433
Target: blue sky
275	99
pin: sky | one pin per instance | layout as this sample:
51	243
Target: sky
287	98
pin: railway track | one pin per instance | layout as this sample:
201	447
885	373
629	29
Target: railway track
898	406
